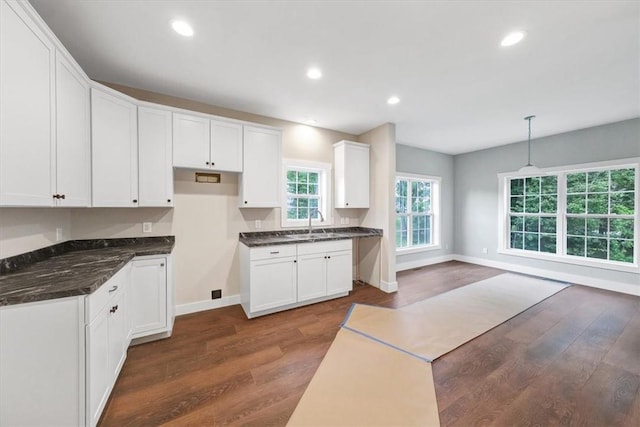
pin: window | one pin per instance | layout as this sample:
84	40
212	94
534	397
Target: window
416	212
306	193
584	214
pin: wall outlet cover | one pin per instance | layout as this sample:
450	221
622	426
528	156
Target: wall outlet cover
147	227
258	224
216	294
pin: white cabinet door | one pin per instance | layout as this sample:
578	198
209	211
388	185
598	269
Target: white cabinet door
117	335
149	296
114	146
27	170
226	146
155	166
98	378
73	139
351	174
339	272
191	141
273	283
260	179
312	276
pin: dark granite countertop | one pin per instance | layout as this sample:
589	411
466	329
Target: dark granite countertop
285	237
72	268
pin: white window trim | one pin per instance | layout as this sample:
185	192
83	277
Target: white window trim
435	212
325	194
503	210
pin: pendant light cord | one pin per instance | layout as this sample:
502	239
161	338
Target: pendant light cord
529	141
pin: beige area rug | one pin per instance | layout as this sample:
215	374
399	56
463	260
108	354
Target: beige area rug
435	326
363	383
377	371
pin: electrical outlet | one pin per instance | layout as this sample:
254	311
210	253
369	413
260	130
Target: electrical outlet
485	250
258	224
58	234
216	294
346	221
146	227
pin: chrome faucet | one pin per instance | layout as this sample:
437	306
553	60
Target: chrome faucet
319	213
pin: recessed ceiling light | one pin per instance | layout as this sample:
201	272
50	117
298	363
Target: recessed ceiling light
310	122
513	38
182	28
314	73
393	100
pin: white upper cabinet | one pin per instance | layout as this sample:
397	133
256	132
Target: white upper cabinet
190	141
27	91
351	174
114	141
73	139
155	168
201	143
226	146
260	180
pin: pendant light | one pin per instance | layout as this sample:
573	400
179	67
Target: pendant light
529	169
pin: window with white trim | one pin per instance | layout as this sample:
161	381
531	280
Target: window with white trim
585	214
306	193
417	202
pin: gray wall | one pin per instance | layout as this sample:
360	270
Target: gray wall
425	162
476	187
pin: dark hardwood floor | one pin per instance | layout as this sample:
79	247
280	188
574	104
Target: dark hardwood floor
573	359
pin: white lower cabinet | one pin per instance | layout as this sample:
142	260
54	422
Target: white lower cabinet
151	297
275	278
59	359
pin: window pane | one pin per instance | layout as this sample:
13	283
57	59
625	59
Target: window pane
598	182
291	176
291	188
517	240
313	188
302	189
532	204
597	227
597	248
549	204
517	204
576	226
531	224
621	228
548	225
517	187
575	246
622	203
313	177
576	204
517	223
531	241
313	203
303	177
401	196
420	196
532	186
621	250
576	182
549	184
547	243
401	232
597	204
303	213
623	179
292	213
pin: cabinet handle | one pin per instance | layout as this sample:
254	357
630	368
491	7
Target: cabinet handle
162	265
274	252
213	164
346	204
135	200
245	202
295	261
62	196
207	163
115	288
56	196
168	200
328	257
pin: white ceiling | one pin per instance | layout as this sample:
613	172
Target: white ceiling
460	90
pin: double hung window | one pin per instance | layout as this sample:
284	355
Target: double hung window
416	212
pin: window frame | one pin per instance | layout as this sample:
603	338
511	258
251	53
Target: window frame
561	216
324	190
436	219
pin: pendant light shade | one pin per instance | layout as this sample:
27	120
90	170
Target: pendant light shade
529	169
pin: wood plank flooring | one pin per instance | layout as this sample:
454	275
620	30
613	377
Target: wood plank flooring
573	359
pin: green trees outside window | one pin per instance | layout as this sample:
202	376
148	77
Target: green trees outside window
414	212
303	194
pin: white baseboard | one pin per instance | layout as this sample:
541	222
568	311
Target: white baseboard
610	285
194	307
388	287
423	262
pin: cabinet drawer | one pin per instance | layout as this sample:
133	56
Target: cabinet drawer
110	289
322	247
276	251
